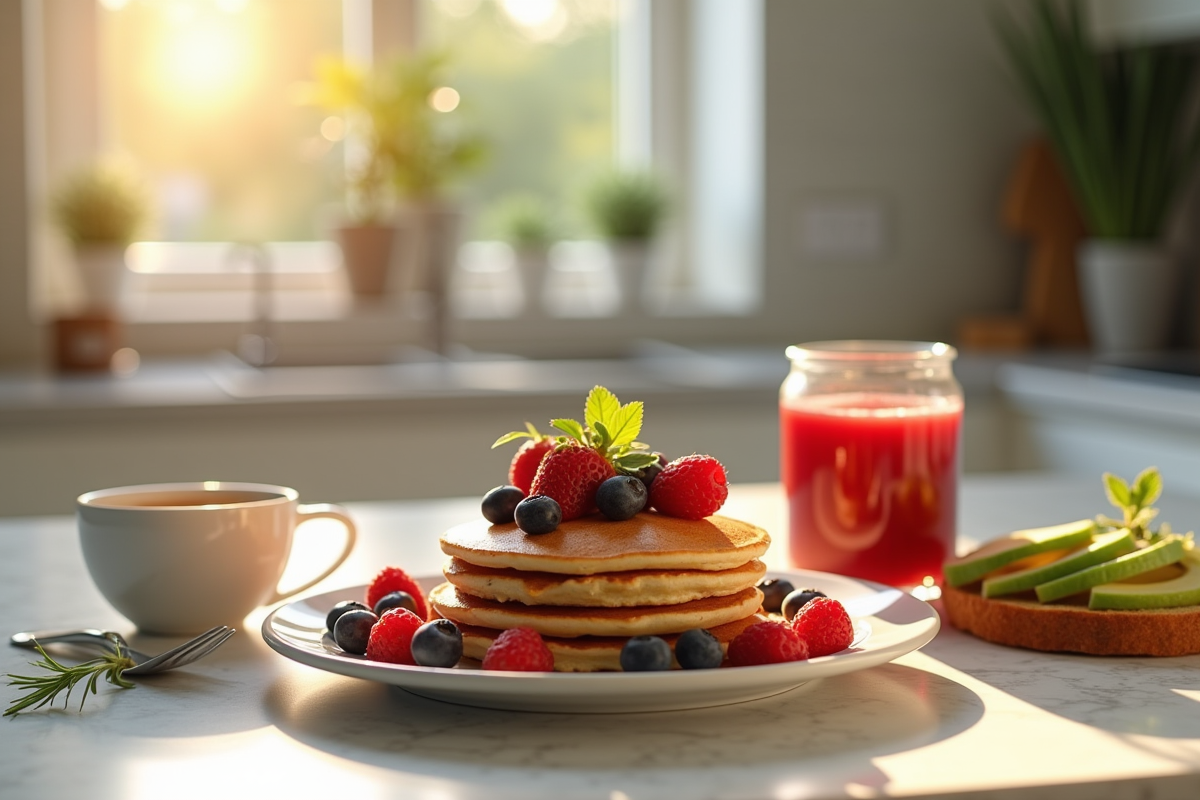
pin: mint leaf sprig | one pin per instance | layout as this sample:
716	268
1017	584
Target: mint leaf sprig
611	429
530	432
1134	502
43	689
608	427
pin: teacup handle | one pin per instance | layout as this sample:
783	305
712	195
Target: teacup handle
318	511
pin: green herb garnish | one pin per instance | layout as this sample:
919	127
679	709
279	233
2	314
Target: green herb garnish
1134	502
609	428
42	689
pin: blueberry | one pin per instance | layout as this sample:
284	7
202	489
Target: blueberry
698	649
538	514
621	497
645	654
342	608
437	644
499	504
353	629
774	590
648	473
797	600
395	600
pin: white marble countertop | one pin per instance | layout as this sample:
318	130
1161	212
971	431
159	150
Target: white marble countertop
961	718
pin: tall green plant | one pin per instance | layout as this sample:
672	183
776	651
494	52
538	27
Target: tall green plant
1118	120
411	149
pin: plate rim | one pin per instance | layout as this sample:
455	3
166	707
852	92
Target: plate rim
468	684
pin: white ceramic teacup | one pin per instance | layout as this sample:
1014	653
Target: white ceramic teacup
179	558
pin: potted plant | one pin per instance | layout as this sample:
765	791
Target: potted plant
1119	123
526	223
101	208
411	151
627	208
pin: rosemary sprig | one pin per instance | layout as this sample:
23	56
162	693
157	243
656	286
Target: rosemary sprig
42	689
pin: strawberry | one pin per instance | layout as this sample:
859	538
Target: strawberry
570	475
692	487
526	462
528	457
574	465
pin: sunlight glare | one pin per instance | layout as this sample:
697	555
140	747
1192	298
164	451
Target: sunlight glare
444	99
531	13
114	5
200	62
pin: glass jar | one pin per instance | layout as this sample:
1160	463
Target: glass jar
870	458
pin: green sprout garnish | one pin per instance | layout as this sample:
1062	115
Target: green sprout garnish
1134	502
43	689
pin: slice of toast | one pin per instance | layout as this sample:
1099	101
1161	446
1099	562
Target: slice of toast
1065	627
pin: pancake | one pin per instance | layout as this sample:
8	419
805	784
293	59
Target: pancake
591	653
644	587
594	544
568	622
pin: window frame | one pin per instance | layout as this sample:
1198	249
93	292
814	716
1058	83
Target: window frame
686	300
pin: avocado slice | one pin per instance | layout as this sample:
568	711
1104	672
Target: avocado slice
1159	554
1105	547
1014	547
1183	590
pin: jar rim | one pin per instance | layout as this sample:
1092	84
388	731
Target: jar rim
884	350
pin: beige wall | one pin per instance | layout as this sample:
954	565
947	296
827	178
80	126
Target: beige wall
908	103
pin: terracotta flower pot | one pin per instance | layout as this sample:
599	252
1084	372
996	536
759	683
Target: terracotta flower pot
367	257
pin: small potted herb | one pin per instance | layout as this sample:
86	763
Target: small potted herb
411	152
527	224
627	209
101	208
1120	124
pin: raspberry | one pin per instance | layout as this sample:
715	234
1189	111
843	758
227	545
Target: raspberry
526	462
824	624
692	487
391	637
769	642
571	475
519	649
394	579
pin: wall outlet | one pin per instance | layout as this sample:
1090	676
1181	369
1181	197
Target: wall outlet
842	229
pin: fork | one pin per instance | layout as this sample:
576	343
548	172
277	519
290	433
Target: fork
185	653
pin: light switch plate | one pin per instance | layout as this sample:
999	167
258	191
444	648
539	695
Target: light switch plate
843	229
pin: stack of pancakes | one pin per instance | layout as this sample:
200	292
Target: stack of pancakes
593	583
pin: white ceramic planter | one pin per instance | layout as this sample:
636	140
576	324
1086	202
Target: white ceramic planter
1128	291
105	275
630	263
533	264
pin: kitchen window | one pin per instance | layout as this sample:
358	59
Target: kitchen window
646	84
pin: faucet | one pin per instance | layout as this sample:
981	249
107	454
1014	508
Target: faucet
256	346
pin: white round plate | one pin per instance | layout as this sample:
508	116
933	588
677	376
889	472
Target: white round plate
888	624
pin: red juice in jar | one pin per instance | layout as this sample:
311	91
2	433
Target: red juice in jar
871	477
